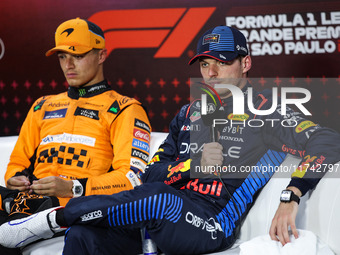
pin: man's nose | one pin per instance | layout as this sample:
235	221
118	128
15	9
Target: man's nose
213	71
69	63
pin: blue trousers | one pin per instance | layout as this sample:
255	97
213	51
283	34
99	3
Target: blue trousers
179	221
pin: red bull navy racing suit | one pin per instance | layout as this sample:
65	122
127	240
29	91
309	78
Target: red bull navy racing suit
188	215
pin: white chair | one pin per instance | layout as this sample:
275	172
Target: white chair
319	209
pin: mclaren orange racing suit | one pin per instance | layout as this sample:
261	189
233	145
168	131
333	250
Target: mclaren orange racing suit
92	134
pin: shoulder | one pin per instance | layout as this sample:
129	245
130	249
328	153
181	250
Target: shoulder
47	99
121	100
118	104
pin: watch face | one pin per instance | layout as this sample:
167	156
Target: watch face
77	190
285	196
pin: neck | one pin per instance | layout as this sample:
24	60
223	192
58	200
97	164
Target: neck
89	90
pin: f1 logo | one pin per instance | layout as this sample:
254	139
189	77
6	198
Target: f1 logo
171	30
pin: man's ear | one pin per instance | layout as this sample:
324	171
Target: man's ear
246	64
102	55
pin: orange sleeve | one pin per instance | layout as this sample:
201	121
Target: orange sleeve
130	139
28	141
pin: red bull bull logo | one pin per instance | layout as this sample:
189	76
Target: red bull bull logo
181	167
301	170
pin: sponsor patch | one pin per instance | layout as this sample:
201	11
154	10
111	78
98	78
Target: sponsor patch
210	225
139	154
154	159
303	167
195	116
173	179
140	145
124	100
222	56
141	134
238	117
196	105
181	167
69	138
238	47
92	114
55	114
304	125
114	108
96	89
59	104
191	128
132	177
211	38
92	215
142	125
231	138
39	105
135	162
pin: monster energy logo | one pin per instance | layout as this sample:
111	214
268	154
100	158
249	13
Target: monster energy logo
82	92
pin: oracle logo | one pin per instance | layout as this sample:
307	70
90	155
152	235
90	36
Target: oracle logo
2	49
141	134
169	29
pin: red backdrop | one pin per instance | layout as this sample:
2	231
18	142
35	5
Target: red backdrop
150	43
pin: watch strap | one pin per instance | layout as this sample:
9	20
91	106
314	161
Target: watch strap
295	198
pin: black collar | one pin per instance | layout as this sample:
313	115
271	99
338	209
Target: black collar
88	91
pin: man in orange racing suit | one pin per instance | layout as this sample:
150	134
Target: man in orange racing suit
88	140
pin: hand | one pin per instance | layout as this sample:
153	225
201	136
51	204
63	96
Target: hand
20	183
53	186
285	216
212	155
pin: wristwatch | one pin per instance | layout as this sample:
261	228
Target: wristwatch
77	189
288	196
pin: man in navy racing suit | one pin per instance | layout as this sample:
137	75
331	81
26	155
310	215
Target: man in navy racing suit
185	215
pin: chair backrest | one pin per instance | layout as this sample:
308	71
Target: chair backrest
156	140
7	144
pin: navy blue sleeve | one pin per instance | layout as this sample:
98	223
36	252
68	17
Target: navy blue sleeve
319	147
168	159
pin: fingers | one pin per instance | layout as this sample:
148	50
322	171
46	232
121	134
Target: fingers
283	219
283	233
42	191
212	154
44	186
273	231
294	230
20	183
213	145
279	230
53	186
